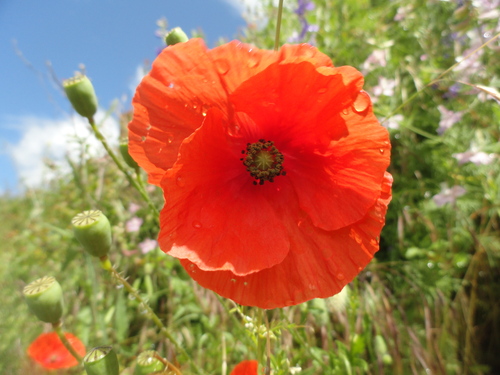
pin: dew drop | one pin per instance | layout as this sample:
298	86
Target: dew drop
345	111
299	223
381	150
362	102
170	138
233	281
245	283
148	127
180	181
222	66
340	276
143	139
360	269
171	85
322	91
196	224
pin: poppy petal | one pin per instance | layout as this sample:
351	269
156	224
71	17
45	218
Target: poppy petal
48	350
170	104
213	214
319	264
246	368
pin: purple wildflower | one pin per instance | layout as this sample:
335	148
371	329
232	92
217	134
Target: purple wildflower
147	245
448	119
474	156
133	225
303	7
448	195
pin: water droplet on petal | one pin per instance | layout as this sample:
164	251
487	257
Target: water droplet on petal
222	66
381	150
345	111
143	139
171	85
233	281
322	91
340	276
180	181
196	224
148	127
170	138
362	102
245	283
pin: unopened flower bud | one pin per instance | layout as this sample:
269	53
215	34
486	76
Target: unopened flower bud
45	299
93	230
176	35
101	360
81	94
126	156
147	362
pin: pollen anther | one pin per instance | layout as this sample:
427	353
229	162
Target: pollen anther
263	161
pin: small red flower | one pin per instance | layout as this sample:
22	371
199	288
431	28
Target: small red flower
246	368
273	168
50	353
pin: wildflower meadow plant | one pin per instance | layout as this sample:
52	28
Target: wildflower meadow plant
277	208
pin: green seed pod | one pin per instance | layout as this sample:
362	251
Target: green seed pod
93	230
380	346
45	299
176	35
126	156
101	360
147	362
81	95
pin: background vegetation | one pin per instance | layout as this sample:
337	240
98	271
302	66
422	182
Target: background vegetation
429	302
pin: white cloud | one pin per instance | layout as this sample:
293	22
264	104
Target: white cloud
253	11
45	139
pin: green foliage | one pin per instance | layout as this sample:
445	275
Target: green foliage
427	303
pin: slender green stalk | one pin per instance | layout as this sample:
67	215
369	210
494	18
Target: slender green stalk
57	327
106	264
435	80
122	166
278	26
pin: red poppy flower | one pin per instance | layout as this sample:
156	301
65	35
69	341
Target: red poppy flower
273	168
246	368
49	351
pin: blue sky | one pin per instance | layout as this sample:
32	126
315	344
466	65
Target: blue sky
112	38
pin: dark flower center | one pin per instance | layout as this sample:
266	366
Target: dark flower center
263	161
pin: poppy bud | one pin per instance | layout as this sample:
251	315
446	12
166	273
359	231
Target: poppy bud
126	156
147	362
93	230
44	298
81	94
101	360
176	35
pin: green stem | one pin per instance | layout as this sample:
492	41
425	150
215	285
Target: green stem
122	166
106	264
58	329
278	26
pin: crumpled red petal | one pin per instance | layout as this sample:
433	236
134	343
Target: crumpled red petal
320	263
246	368
185	81
48	350
213	214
